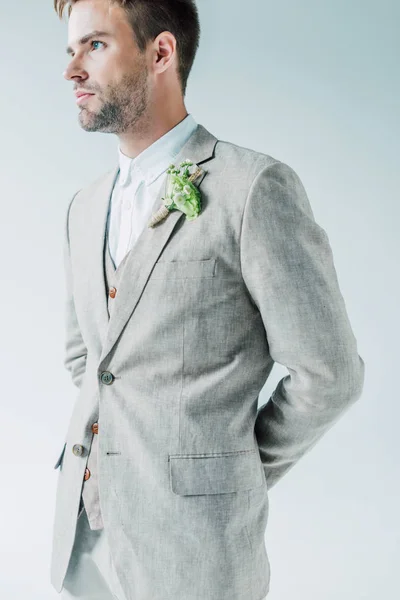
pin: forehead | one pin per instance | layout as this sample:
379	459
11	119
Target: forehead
91	15
95	18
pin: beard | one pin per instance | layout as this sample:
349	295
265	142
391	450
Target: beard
124	105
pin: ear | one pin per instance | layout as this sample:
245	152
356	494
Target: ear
165	50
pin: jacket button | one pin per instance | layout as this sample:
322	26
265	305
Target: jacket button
77	449
95	428
112	291
107	377
87	474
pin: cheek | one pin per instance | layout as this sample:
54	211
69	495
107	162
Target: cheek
107	74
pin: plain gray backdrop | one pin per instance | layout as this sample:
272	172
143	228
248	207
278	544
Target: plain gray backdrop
314	84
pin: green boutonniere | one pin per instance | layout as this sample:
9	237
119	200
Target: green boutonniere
180	193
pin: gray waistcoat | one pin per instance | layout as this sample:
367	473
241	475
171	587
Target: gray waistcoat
90	491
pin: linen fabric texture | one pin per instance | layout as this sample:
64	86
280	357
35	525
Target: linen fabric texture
138	180
203	309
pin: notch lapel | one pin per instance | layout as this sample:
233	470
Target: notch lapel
146	250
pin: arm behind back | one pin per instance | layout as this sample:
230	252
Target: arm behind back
288	268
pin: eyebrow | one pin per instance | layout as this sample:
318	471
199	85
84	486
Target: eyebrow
88	37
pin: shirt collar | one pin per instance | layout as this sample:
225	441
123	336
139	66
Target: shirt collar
156	158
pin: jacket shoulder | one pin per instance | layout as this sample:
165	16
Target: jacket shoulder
242	162
89	189
241	156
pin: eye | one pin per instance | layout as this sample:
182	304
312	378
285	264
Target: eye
97	42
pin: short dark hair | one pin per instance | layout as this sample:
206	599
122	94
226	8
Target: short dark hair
148	18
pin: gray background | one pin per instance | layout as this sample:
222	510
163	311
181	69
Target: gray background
315	84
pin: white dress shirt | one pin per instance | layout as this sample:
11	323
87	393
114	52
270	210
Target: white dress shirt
138	182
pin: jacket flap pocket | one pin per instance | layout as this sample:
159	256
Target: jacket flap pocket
58	463
222	473
183	269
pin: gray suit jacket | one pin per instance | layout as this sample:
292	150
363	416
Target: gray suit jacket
203	310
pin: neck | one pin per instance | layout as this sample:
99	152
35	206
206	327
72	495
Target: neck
148	129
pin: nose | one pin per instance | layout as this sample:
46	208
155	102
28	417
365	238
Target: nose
74	70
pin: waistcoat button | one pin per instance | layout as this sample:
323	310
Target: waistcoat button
112	292
87	474
77	449
95	428
107	377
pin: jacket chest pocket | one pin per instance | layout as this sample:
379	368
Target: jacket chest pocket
184	269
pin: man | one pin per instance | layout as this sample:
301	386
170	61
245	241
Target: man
173	326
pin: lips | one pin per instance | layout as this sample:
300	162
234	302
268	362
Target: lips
82	97
81	92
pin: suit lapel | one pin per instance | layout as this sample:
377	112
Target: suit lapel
145	252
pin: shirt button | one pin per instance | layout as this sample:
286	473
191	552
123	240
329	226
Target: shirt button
77	449
87	474
95	428
112	291
107	377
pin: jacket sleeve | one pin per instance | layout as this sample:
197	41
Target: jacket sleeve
288	269
75	351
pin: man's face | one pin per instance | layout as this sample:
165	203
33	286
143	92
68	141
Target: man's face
108	66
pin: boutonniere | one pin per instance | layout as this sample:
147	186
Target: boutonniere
180	192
